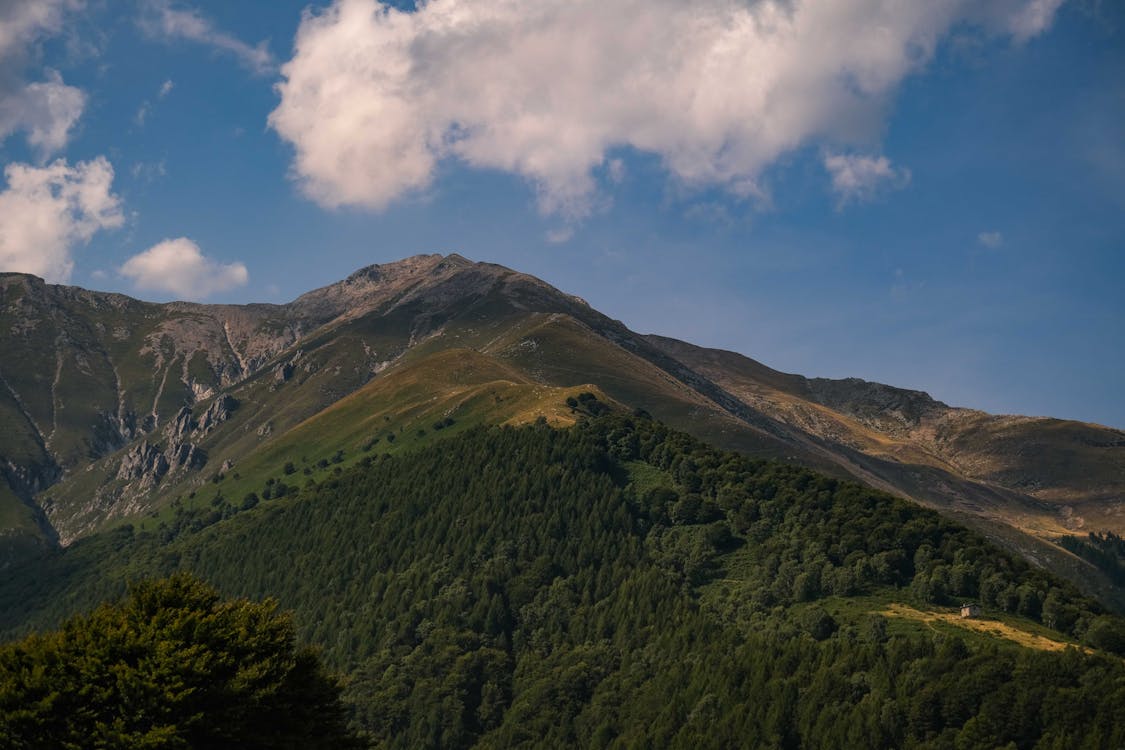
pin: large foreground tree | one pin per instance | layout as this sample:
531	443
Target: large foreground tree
172	666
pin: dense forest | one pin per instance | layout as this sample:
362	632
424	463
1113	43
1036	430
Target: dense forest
619	584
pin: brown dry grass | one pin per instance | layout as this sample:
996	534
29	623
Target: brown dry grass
983	625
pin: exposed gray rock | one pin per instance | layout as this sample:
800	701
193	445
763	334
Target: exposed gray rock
180	425
185	455
150	464
875	403
218	412
143	461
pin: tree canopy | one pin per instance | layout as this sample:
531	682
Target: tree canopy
172	666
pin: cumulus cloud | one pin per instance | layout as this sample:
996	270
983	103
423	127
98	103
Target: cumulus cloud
856	177
45	212
374	97
161	20
990	240
44	110
179	267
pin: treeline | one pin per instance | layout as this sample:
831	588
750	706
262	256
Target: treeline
619	584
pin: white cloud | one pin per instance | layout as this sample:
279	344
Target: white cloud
1022	19
161	20
990	239
615	170
146	106
179	267
856	177
148	170
46	211
44	110
559	236
374	97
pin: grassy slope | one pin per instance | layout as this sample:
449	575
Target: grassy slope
407	402
563	351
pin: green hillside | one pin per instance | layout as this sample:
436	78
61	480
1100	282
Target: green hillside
619	584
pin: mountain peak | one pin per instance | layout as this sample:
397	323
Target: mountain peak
367	286
395	269
456	259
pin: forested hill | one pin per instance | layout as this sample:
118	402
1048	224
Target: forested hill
621	584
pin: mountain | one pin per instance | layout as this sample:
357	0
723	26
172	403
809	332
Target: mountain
116	410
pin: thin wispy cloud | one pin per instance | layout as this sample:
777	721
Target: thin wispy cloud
375	98
161	19
146	106
991	240
149	171
559	236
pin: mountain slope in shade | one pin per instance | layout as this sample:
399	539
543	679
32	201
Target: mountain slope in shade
113	407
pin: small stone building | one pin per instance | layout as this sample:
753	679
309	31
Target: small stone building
970	610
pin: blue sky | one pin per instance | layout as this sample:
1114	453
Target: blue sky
933	199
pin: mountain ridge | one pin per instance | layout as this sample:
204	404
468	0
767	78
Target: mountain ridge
149	373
